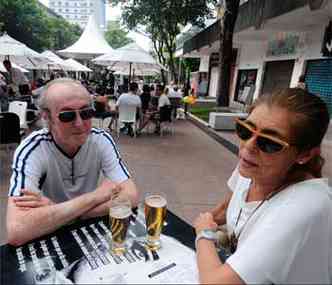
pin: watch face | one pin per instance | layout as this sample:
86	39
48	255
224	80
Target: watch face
209	234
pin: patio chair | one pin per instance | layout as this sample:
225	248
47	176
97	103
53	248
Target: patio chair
166	120
10	128
127	114
20	109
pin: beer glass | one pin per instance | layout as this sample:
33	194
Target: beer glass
119	215
155	214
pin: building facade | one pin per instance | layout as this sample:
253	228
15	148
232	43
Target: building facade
78	11
275	44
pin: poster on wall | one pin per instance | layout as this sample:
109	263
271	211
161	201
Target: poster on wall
245	86
285	43
327	41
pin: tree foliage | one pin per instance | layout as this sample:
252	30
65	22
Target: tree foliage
28	22
162	21
116	36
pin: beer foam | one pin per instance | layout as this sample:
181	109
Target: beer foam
120	212
156	201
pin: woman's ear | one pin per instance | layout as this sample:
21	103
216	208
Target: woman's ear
307	155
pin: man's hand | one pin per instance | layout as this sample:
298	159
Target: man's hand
108	188
31	199
204	222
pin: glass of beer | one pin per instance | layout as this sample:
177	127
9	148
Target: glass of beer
119	214
155	214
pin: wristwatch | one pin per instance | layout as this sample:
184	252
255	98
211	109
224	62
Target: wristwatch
206	234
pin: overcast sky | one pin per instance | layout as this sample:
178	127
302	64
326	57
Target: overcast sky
115	13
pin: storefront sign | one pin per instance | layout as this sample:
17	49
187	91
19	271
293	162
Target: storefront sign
284	44
327	41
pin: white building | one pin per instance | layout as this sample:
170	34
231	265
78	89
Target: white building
78	11
275	44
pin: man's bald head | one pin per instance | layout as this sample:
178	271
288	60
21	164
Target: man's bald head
60	89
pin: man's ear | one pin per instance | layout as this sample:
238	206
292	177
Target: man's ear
307	155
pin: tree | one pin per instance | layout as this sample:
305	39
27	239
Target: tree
116	36
230	11
27	22
161	21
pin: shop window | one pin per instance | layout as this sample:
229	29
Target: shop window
245	86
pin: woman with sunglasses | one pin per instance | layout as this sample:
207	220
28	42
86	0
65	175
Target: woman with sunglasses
279	213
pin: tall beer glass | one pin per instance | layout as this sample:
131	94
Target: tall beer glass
119	214
155	213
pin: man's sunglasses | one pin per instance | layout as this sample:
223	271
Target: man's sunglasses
266	143
69	116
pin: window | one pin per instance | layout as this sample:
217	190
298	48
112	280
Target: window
245	86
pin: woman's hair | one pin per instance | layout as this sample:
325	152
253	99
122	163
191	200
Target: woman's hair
146	88
309	122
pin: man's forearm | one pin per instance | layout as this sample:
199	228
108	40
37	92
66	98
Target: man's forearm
100	210
25	225
127	189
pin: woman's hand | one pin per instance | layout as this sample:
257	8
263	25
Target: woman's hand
204	222
31	199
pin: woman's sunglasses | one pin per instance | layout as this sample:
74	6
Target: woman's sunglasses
266	143
69	116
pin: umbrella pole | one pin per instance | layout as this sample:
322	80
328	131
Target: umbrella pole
129	79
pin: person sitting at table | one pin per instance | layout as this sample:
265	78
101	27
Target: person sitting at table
56	169
154	116
145	98
130	99
279	212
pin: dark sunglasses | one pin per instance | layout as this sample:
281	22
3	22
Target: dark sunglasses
266	143
69	116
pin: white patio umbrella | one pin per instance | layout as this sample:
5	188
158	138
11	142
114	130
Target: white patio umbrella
57	63
130	57
20	54
3	69
77	66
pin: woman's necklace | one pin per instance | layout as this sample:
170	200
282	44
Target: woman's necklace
235	238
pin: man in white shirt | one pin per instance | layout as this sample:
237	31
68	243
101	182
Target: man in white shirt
130	99
56	169
16	78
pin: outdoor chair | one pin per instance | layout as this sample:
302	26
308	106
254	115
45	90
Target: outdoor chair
176	104
166	120
20	109
127	115
10	128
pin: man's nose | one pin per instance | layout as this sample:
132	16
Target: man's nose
78	120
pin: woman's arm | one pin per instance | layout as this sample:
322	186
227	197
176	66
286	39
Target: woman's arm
211	270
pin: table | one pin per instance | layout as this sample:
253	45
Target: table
70	243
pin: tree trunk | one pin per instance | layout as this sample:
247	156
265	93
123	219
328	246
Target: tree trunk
226	50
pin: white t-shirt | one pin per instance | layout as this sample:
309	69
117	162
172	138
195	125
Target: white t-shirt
18	77
41	166
129	99
163	101
288	239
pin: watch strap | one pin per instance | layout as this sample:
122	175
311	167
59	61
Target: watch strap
206	234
